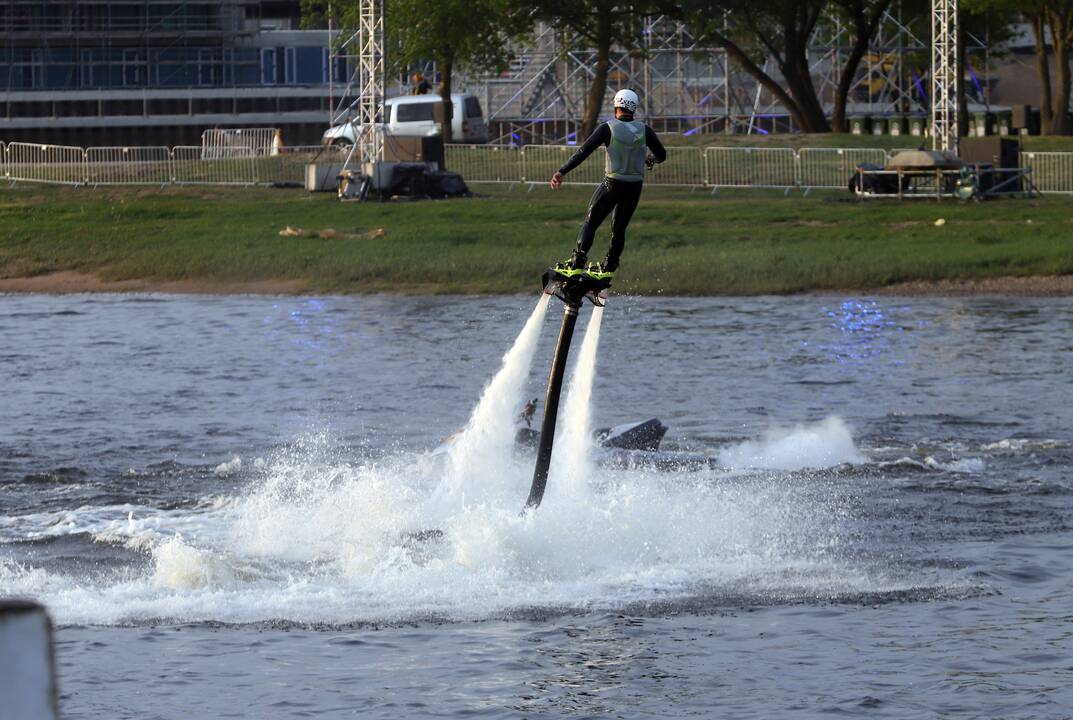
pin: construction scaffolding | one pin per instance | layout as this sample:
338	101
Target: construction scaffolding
688	85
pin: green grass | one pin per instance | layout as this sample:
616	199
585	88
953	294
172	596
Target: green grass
745	242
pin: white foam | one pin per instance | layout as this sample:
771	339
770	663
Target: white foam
1022	445
487	442
572	464
824	444
229	468
319	539
972	466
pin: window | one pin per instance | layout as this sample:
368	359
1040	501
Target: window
133	68
415	112
208	67
86	69
268	66
473	108
289	66
325	65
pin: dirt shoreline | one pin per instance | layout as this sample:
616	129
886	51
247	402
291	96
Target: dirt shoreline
69	282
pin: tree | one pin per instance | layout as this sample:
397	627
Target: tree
864	17
1050	20
603	24
455	35
779	29
1057	17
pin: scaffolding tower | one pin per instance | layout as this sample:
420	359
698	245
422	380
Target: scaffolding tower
945	75
362	100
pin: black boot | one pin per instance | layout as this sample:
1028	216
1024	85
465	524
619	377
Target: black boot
578	259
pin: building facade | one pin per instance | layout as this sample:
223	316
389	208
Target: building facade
159	72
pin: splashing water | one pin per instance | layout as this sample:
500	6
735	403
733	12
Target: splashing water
572	463
478	454
320	538
821	445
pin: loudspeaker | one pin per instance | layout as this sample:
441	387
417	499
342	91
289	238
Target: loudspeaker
400	148
994	152
997	151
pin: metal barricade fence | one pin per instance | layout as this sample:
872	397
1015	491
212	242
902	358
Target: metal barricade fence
542	161
227	142
189	166
834	167
288	166
684	167
60	164
485	163
750	167
1052	172
128	166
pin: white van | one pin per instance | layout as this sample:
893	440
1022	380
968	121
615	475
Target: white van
413	116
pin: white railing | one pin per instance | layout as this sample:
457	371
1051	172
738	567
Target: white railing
751	167
833	167
288	166
128	166
196	165
486	163
1052	172
695	167
59	164
684	167
225	142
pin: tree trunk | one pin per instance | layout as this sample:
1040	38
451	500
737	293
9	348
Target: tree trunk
864	25
594	99
446	125
845	81
798	22
775	88
795	72
1060	37
1043	68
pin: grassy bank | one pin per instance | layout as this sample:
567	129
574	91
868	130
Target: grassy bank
680	242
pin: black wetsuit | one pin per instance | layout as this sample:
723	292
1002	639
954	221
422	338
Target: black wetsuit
619	196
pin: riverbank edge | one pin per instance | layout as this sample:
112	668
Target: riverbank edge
67	282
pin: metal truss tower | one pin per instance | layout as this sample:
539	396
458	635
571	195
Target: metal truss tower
362	101
945	75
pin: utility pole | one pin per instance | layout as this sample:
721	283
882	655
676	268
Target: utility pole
945	75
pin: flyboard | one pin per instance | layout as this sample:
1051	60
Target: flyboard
572	286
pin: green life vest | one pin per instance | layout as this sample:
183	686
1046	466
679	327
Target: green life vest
626	152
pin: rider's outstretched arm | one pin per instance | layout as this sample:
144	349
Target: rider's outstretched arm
600	136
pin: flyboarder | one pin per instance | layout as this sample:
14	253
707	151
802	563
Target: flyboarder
626	141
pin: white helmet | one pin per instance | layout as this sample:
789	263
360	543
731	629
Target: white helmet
627	100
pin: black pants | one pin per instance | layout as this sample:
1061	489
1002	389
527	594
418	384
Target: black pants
610	195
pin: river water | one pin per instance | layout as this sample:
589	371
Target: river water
223	502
